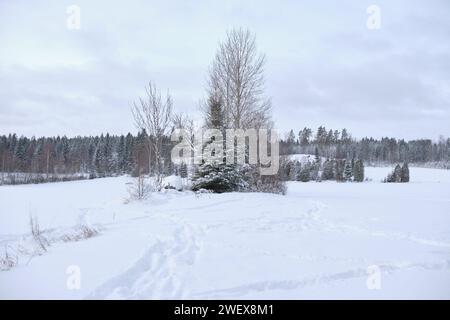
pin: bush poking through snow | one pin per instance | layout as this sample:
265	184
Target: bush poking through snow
36	243
271	184
80	233
36	233
84	229
140	189
7	261
201	192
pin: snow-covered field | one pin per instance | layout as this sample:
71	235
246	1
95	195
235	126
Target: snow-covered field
316	242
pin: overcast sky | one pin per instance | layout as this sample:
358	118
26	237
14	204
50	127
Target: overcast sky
324	66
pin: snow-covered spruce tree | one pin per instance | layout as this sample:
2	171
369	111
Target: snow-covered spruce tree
295	170
315	168
348	171
214	112
218	178
405	172
183	170
398	173
316	155
305	173
339	169
358	171
298	169
285	168
328	172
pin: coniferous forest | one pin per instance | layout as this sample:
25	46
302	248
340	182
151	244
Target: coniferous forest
95	156
109	155
340	145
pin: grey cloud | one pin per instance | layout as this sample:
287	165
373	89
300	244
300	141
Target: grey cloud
324	67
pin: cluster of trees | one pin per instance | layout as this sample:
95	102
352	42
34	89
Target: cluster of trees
236	100
340	170
400	174
340	144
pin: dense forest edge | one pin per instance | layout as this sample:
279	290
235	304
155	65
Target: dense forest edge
48	159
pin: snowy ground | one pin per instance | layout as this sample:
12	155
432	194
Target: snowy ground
315	242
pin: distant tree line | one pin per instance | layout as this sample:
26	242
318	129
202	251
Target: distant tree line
108	155
100	156
337	144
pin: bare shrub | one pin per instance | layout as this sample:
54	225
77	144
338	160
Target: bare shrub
37	242
140	189
199	193
8	261
271	184
36	233
88	232
80	233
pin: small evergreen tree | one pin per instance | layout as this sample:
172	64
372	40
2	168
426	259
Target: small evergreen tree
295	170
218	178
315	167
316	155
398	173
214	112
348	171
339	168
358	171
405	173
183	170
305	173
328	172
286	166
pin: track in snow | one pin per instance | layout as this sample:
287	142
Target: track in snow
161	271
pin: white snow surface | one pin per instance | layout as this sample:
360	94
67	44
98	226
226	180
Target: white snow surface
304	158
315	242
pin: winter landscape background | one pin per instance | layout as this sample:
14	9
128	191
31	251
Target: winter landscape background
121	177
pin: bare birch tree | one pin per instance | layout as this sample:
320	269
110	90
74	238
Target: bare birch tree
153	114
237	75
189	130
182	121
